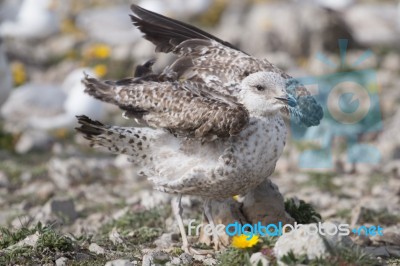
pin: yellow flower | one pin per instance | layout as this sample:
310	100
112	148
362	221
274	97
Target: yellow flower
98	51
100	70
18	73
242	241
236	197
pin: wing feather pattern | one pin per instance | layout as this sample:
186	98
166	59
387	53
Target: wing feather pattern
166	32
186	109
204	58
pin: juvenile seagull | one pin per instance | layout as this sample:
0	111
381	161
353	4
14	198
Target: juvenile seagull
214	116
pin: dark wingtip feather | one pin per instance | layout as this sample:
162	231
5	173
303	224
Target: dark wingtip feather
144	69
89	127
165	33
99	89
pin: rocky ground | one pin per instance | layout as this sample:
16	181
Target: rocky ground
63	203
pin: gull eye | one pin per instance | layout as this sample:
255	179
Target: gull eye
260	88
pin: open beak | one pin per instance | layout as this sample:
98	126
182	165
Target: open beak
288	99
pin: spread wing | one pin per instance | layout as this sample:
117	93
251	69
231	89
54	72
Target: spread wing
184	108
204	58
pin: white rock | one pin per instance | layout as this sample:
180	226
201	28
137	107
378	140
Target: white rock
115	237
300	242
27	241
156	255
119	262
175	261
258	258
186	258
93	247
209	262
61	261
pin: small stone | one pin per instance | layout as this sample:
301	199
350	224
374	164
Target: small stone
377	251
302	242
93	247
63	208
199	257
394	251
166	241
115	237
45	191
209	261
147	260
82	257
62	261
3	180
258	259
176	261
160	256
119	262
27	241
155	257
388	238
186	258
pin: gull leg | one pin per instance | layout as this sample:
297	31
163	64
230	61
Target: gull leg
177	209
208	213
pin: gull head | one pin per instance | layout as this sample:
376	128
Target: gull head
264	93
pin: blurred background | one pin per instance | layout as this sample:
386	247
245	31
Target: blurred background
47	172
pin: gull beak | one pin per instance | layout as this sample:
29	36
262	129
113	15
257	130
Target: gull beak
288	99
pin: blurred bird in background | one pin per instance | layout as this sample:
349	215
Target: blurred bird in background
36	19
6	81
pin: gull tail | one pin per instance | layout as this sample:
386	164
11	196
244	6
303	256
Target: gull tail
135	142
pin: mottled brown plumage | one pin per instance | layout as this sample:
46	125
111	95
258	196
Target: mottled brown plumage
185	108
207	59
213	92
